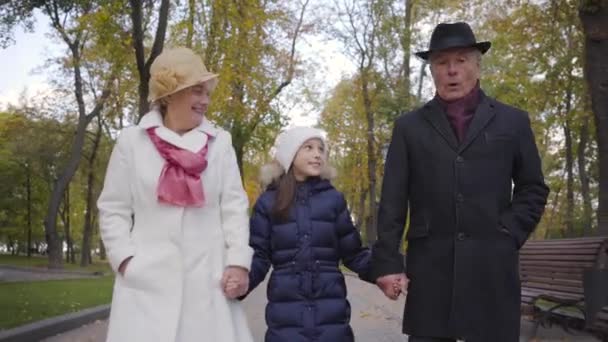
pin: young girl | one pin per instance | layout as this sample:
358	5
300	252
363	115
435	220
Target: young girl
302	227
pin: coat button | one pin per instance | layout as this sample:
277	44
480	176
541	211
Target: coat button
460	198
461	236
459	159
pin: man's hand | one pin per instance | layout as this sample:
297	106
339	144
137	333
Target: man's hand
235	282
393	284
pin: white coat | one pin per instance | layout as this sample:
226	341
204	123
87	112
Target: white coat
171	288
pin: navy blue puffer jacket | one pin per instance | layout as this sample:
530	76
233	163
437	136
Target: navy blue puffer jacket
306	291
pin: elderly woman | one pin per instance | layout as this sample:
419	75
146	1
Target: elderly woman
173	216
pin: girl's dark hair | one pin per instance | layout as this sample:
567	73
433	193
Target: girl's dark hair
286	193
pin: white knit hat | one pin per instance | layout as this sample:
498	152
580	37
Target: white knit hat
289	142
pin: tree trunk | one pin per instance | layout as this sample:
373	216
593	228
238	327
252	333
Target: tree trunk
360	223
406	47
371	158
102	250
11	245
28	175
584	177
143	64
594	17
191	15
66	223
239	148
569	219
569	157
61	185
553	207
85	249
421	81
75	45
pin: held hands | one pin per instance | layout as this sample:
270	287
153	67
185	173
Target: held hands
393	285
235	282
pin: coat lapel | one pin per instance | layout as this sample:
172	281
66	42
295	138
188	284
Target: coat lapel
439	120
483	115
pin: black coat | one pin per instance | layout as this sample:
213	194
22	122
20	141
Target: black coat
467	221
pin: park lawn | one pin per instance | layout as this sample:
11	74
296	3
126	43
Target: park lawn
26	302
42	262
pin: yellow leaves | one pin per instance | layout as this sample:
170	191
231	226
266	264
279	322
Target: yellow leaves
252	187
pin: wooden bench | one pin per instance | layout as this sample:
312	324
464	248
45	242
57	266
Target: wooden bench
552	273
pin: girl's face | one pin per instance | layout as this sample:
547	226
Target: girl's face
309	160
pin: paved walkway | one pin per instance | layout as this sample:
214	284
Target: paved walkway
13	274
374	319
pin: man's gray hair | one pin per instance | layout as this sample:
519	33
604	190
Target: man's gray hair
478	55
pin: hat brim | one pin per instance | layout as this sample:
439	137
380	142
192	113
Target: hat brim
481	46
209	78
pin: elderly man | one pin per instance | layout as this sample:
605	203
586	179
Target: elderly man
467	167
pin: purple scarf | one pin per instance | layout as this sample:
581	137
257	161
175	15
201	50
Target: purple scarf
460	112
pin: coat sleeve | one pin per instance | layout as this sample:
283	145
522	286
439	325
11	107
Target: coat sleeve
233	209
352	253
260	242
530	191
392	211
115	205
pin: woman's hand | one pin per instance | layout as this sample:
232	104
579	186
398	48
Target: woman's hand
235	281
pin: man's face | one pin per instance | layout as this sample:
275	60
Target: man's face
455	72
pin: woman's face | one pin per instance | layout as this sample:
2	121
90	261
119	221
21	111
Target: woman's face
188	106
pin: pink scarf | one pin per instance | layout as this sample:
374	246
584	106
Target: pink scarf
180	181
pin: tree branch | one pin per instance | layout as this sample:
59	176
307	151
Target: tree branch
138	34
291	66
161	29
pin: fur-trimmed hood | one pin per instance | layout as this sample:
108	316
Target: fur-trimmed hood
273	171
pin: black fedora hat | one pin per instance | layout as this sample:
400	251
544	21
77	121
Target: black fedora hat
456	35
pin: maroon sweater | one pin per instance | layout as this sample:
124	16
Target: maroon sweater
460	112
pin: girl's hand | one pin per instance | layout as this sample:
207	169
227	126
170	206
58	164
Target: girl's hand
235	282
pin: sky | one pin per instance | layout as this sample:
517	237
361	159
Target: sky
21	67
19	63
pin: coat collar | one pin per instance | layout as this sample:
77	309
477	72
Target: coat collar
192	141
483	114
438	119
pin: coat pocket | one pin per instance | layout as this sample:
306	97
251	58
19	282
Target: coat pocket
132	272
417	232
498	136
507	234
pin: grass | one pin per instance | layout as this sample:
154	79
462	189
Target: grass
42	262
26	302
